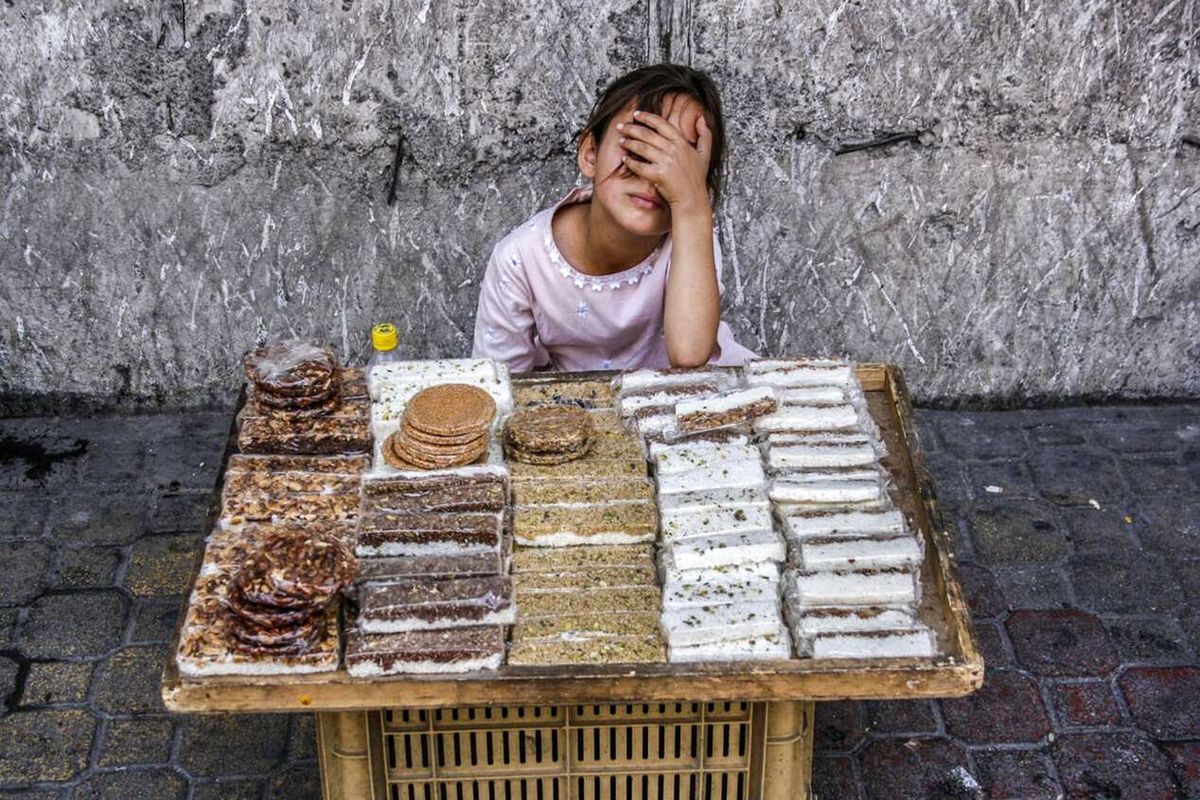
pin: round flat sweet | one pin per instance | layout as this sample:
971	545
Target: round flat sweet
413	434
296	639
294	567
436	452
451	409
269	617
291	367
549	429
272	402
403	451
517	454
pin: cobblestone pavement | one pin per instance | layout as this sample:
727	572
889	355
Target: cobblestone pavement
1079	537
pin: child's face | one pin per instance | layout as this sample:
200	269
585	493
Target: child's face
630	200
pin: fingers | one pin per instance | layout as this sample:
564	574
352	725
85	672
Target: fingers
647	135
643	149
704	137
662	126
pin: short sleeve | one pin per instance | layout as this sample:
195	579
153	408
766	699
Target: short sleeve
717	261
504	325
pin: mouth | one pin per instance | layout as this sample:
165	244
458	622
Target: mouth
646	201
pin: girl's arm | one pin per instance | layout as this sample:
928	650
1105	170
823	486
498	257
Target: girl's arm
677	170
504	326
692	308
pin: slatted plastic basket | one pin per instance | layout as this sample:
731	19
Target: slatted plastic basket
650	751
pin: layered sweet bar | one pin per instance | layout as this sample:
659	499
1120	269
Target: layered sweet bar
586	605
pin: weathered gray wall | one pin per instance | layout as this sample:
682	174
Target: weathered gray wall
185	176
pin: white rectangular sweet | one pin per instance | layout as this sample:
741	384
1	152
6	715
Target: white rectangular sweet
915	643
760	365
630	403
843	523
673	578
821	555
683	627
655	425
711	499
808	622
751	589
867	588
834	376
643	379
771	647
730	475
727	401
447	370
727	548
685	456
686	523
807	418
815	456
812	396
830	490
844	437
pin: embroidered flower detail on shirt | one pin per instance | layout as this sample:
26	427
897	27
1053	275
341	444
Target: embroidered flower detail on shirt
606	363
582	310
490	332
597	283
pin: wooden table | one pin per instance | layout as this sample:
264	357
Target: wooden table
771	702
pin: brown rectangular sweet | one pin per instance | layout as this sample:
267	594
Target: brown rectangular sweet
573	559
609	650
380	529
632	518
586	467
583	601
544	491
237	508
449	650
616	444
436	493
291	481
597	577
339	465
423	604
401	567
587	394
328	435
631	624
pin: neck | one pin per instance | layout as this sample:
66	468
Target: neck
609	247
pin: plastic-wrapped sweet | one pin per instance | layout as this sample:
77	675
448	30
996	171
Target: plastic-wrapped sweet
867	552
422	604
844	522
752	588
720	623
686	523
684	456
877	587
774	646
808	418
291	367
428	651
728	475
724	409
827	488
643	380
742	547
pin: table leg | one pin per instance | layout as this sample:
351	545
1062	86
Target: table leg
345	762
787	758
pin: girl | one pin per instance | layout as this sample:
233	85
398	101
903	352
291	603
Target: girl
622	274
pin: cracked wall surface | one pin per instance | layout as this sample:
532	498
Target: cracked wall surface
1002	196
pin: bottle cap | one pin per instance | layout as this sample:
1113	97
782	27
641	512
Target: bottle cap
383	336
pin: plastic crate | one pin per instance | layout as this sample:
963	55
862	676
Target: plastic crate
649	751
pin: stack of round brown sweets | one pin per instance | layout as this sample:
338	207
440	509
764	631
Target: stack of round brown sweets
548	434
279	600
294	377
443	426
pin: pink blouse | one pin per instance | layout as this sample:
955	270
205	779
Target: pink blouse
536	311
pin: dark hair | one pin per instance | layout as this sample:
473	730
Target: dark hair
648	86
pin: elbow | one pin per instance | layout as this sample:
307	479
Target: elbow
688	357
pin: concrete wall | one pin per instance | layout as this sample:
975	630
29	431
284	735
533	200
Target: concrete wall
182	178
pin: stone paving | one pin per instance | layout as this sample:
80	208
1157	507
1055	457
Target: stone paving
1078	532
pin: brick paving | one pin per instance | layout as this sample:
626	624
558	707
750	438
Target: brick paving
1078	532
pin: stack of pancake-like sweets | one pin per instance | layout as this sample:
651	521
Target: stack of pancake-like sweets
279	601
443	426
